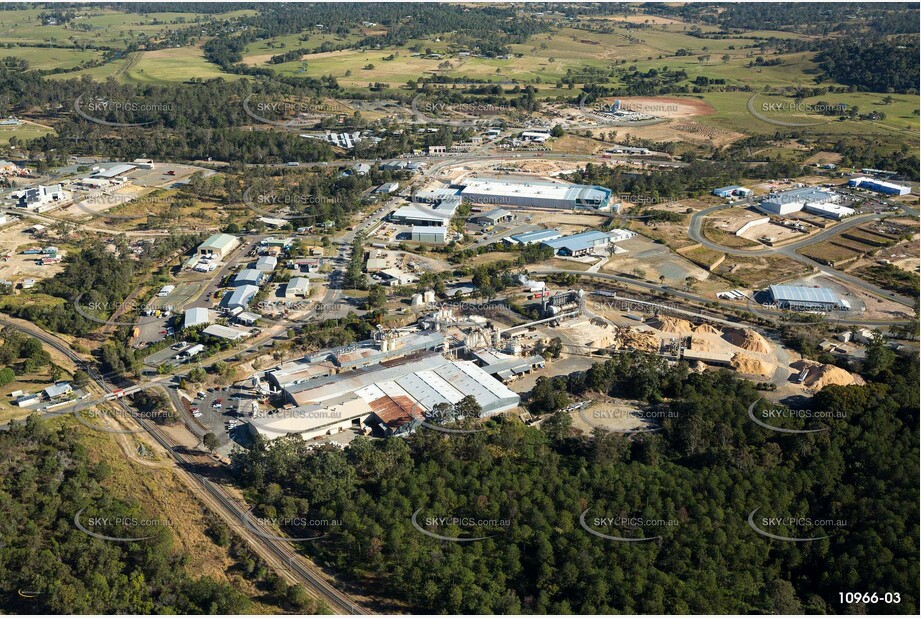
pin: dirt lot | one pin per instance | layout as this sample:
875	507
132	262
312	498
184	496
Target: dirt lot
779	233
617	415
757	272
727	238
18	266
655	260
674	235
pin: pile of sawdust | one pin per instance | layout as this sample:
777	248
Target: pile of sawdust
747	339
701	344
675	326
751	366
604	342
819	376
706	329
639	340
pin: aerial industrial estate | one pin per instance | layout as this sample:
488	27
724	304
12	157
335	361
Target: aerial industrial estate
446	308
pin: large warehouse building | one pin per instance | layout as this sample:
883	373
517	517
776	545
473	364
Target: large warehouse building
586	242
219	245
535	194
427	233
394	398
803	298
880	186
788	202
438	215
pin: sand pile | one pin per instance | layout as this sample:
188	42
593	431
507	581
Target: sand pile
751	366
819	376
675	326
706	329
747	340
638	340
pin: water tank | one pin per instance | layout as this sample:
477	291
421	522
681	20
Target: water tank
428	296
417	300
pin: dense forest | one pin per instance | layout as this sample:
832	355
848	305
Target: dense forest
702	475
694	180
817	18
49	566
877	66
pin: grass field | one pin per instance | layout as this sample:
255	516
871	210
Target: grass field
732	113
23	133
50	57
167	66
96	26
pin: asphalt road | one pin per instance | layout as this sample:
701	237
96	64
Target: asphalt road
789	250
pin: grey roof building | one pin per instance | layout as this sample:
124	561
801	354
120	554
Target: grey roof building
248	276
240	297
803	298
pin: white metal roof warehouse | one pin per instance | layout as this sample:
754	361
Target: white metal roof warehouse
535	194
803	298
427	381
333	403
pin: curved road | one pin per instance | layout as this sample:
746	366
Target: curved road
655	287
789	250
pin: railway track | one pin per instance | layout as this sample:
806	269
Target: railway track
283	554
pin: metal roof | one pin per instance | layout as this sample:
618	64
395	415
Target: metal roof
536	236
196	316
495	188
799	293
298	284
225	332
417	213
428	381
805	194
496	213
116	170
218	241
248	276
239	297
585	240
